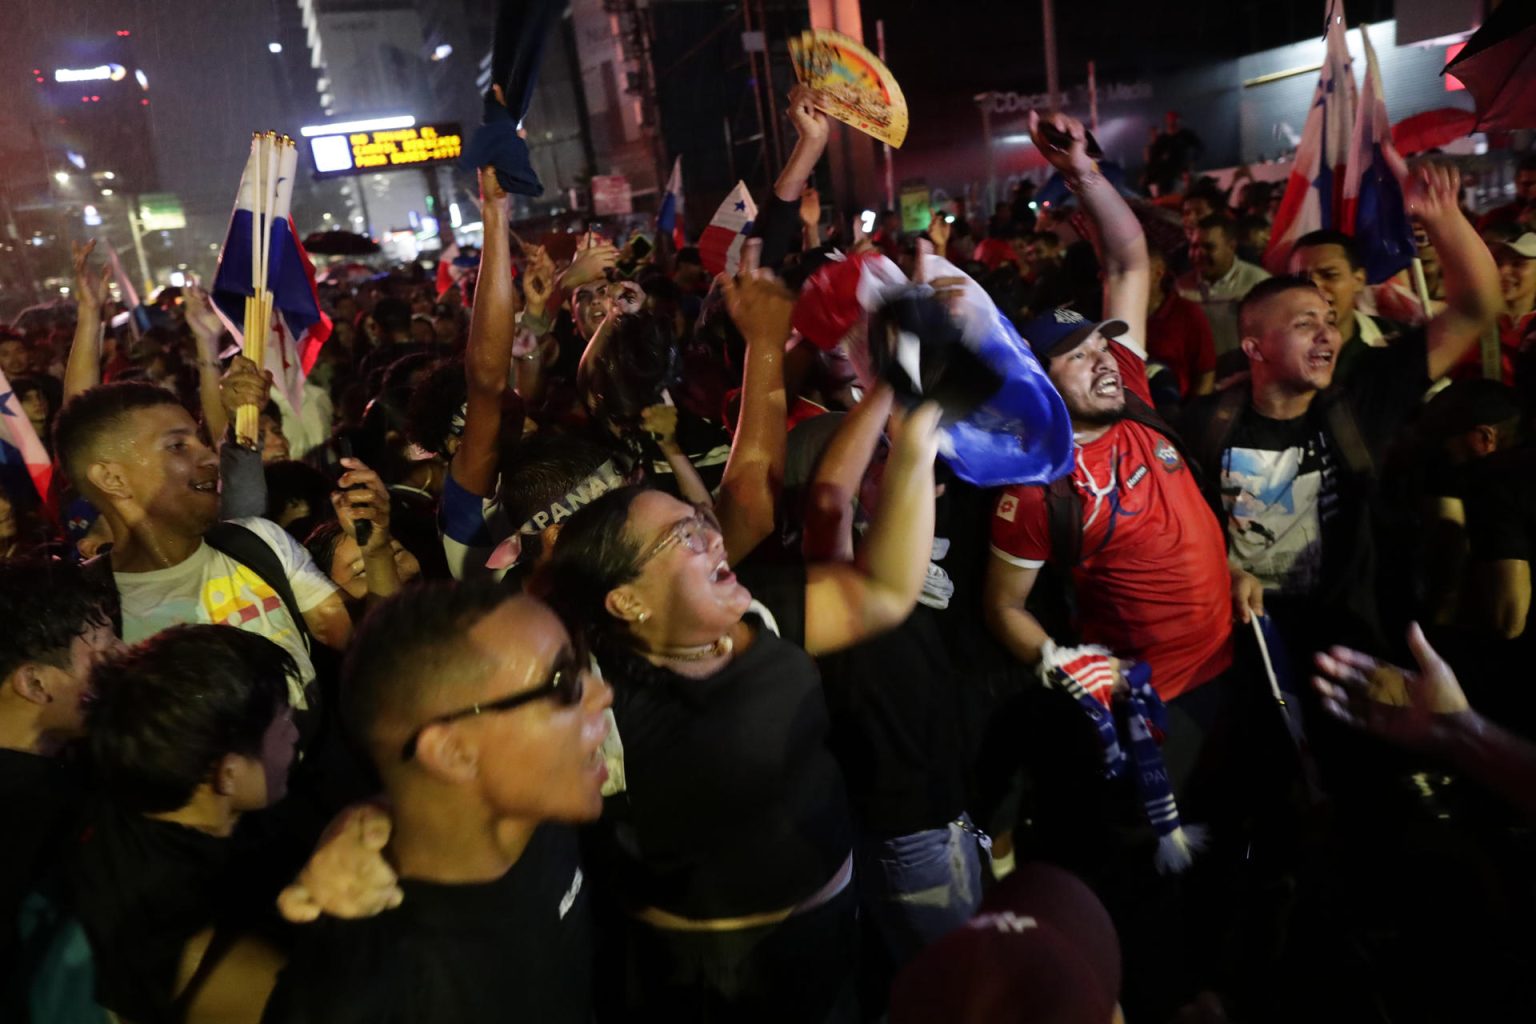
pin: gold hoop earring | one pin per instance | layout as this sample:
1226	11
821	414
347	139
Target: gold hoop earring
642	617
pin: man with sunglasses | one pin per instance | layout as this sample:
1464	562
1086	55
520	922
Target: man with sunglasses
484	724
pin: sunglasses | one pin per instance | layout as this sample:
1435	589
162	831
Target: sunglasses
566	685
692	533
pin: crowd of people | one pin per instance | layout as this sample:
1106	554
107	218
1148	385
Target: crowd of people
595	640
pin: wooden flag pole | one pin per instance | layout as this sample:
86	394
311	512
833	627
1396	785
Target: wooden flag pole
258	307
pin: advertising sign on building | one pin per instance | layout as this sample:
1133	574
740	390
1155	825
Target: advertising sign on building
611	196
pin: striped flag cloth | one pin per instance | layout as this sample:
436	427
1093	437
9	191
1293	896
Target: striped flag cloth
1315	190
300	328
720	244
1374	212
669	217
19	444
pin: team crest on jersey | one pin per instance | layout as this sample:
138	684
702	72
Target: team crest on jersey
1168	455
1007	507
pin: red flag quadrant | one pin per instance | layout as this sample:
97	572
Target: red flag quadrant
720	244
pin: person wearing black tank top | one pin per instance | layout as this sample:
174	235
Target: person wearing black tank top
729	850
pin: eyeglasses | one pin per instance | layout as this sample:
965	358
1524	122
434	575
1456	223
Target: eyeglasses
566	685
692	532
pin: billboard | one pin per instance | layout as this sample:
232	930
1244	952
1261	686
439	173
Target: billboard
384	149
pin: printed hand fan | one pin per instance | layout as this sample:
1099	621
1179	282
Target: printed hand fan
851	84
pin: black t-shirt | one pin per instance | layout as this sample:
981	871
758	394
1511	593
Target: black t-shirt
143	888
513	950
1500	500
734	803
895	699
1297	516
40	799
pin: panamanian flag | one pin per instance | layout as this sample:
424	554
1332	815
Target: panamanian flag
20	447
669	218
1374	212
720	244
1314	192
299	328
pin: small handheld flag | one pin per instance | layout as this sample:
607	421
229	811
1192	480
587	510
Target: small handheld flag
669	219
720	244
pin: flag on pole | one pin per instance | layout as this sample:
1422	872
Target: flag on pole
720	244
301	328
1315	190
669	220
1374	212
19	443
137	312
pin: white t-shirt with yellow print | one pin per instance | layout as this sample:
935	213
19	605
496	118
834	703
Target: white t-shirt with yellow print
212	588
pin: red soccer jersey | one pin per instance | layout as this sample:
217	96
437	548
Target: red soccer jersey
1179	337
1153	581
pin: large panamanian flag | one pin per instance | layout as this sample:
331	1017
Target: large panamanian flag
1315	190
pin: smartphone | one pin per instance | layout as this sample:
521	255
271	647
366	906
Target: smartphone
364	526
1061	140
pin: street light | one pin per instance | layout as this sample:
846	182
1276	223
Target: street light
108	175
61	177
274	47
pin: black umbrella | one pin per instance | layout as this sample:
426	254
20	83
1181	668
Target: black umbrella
339	243
1498	67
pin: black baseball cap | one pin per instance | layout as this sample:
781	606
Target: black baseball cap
1062	329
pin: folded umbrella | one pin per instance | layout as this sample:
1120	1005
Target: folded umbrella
522	28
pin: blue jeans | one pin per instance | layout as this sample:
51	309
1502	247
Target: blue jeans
917	887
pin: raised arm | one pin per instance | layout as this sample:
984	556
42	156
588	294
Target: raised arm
846	604
206	330
828	533
1120	241
83	370
812	127
782	221
660	421
533	351
492	329
1472	297
749	490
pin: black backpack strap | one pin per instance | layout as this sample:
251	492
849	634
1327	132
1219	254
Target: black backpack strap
1064	516
246	547
1346	434
1213	438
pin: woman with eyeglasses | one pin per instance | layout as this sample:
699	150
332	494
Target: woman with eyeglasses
729	848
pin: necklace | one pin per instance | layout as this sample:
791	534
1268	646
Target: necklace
717	649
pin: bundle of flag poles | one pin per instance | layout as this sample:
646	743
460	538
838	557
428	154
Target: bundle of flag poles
268	152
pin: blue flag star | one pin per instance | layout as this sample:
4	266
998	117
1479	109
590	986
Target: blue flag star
5	403
741	204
